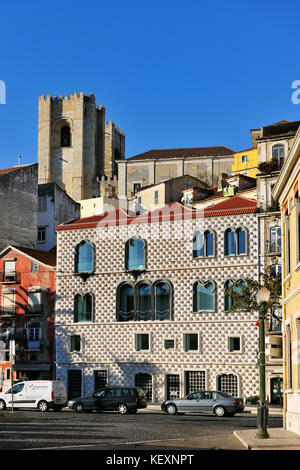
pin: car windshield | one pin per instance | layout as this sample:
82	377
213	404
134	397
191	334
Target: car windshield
99	393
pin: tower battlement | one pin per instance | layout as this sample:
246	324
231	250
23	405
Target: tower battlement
75	143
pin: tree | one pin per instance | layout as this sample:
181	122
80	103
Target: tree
243	293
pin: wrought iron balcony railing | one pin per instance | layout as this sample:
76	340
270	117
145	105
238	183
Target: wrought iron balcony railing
10	277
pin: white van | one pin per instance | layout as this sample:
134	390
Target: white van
40	394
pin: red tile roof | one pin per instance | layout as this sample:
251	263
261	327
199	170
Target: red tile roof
8	170
175	211
45	257
231	206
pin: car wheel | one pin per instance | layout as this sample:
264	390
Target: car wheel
78	407
43	405
171	409
122	409
219	411
2	405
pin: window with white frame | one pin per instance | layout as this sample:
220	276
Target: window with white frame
8	302
9	274
245	158
41	234
35	302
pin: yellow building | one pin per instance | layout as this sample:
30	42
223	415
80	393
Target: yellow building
245	162
287	192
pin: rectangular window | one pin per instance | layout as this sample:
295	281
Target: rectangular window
75	343
169	344
234	344
34	302
42	204
142	342
41	235
287	246
8	303
155	197
100	379
190	341
244	158
136	186
289	357
139	200
9	271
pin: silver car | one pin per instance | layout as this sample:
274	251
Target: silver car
208	402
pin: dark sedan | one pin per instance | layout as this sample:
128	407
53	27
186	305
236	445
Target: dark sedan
208	402
121	399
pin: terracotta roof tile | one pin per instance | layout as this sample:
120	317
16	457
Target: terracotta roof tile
45	257
174	211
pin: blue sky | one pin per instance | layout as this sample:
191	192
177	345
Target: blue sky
170	74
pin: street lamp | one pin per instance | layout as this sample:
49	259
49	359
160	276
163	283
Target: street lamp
262	298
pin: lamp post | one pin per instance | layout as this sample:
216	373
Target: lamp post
262	298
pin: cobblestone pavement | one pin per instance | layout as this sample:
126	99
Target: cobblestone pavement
69	430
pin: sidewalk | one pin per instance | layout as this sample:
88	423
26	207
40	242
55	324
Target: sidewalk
279	439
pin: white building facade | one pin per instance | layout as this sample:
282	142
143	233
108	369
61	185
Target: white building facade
141	301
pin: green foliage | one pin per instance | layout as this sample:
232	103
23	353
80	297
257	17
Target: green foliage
243	293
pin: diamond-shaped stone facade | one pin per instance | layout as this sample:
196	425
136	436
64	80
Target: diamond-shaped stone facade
110	345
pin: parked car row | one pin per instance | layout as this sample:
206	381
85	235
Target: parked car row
51	394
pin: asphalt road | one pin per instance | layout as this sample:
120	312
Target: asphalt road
71	431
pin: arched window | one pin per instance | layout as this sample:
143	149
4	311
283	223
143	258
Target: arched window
144	302
278	153
65	136
241	241
135	254
235	241
229	242
144	307
84	258
233	287
203	296
198	245
125	302
204	244
83	308
162	301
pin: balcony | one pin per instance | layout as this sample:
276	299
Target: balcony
274	346
7	311
273	248
34	310
33	345
10	277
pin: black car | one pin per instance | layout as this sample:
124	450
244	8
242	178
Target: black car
121	399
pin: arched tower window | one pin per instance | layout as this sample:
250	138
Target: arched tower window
65	136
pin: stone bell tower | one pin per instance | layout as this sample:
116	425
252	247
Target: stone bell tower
74	148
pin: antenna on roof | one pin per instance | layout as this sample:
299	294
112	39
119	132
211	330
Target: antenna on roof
19	160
